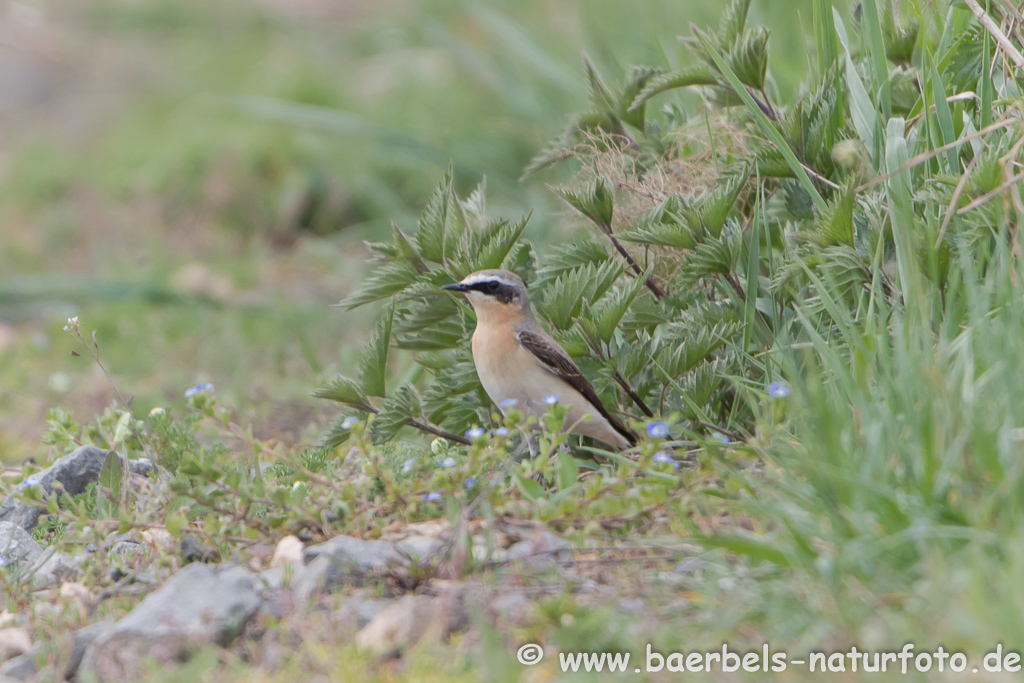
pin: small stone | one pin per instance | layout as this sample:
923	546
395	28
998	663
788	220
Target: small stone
17	546
359	611
158	538
73	472
13	642
407	621
398	626
544	550
194	550
288	550
76	592
53	569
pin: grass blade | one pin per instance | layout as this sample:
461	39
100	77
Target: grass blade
876	50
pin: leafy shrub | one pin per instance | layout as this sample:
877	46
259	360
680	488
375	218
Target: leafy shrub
718	240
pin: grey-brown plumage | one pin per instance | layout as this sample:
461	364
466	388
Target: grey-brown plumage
519	362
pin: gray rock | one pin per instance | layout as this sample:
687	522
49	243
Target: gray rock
404	622
17	546
345	559
543	551
198	605
314	578
54	568
73	472
361	611
23	667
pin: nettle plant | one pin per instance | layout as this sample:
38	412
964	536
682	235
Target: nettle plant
722	239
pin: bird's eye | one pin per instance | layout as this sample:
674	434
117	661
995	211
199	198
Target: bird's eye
493	285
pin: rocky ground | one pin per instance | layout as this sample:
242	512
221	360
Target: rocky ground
159	597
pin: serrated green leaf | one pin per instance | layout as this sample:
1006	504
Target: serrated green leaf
608	316
712	257
734	20
441	224
386	280
748	57
765	124
595	200
494	253
335	434
680	78
600	94
373	365
563	258
343	390
397	411
563	298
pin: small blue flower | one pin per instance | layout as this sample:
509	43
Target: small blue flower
447	462
657	430
666	458
4	560
475	433
509	403
470	483
551	399
408	465
501	431
432	496
721	437
198	389
778	389
29	482
349	422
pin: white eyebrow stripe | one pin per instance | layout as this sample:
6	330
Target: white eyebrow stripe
475	279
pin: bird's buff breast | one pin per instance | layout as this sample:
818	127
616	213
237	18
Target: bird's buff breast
509	371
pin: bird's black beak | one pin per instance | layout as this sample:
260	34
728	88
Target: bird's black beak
456	287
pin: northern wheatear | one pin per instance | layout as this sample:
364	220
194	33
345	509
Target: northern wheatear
520	365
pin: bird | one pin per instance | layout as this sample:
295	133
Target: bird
522	368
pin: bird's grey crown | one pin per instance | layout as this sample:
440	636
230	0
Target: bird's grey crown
502	277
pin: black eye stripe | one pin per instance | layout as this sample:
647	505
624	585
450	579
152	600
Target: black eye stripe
502	291
490	286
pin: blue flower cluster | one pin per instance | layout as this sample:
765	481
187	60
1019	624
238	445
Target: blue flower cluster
198	389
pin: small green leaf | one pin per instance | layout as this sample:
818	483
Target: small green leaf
112	473
176	524
530	489
567	472
756	550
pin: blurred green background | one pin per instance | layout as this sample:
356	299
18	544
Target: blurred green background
195	180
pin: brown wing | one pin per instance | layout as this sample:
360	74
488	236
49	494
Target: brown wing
556	360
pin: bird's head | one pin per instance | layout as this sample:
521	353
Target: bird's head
497	295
